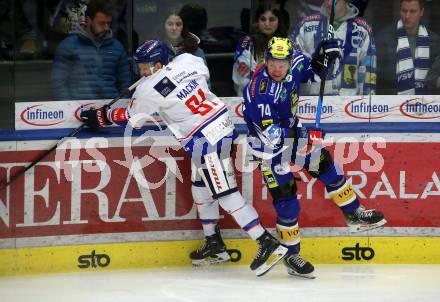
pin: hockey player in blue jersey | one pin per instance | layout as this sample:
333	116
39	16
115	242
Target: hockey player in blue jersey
277	138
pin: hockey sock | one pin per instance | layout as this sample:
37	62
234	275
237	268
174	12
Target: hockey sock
289	236
207	207
287	226
340	190
244	214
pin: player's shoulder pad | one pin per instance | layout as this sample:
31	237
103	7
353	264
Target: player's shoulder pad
188	59
361	22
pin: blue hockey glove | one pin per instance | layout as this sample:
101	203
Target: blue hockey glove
96	118
326	48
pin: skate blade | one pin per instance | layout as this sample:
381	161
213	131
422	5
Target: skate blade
273	259
304	276
218	259
366	227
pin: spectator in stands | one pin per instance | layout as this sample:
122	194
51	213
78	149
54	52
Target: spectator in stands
309	7
64	17
249	53
175	33
61	19
408	57
91	64
355	72
26	14
68	16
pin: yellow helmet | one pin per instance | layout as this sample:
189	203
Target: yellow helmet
279	49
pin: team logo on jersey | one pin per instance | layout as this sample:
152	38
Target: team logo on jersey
283	94
245	42
263	86
165	87
300	66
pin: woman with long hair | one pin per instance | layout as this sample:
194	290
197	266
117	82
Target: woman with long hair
177	37
249	53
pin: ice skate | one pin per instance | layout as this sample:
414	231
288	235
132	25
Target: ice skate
364	220
298	267
270	251
213	251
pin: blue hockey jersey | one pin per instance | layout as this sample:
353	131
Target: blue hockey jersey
267	102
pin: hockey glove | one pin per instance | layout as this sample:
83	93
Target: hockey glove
316	136
272	136
326	48
96	118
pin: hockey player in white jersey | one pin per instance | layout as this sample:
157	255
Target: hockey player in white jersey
179	93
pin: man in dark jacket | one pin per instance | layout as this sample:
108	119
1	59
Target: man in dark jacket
90	63
408	54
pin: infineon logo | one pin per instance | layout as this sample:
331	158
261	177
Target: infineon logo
40	115
307	111
419	108
239	110
361	109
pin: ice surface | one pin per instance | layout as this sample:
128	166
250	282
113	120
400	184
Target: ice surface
354	283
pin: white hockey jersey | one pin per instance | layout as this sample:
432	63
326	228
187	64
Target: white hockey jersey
179	93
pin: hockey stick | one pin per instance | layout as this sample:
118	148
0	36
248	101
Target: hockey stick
330	33
71	134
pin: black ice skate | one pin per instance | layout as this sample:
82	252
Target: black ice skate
297	266
213	251
364	220
270	251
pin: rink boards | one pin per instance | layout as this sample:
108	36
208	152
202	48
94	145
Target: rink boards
137	255
95	204
121	199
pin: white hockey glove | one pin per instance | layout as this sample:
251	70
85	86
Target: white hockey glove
272	136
